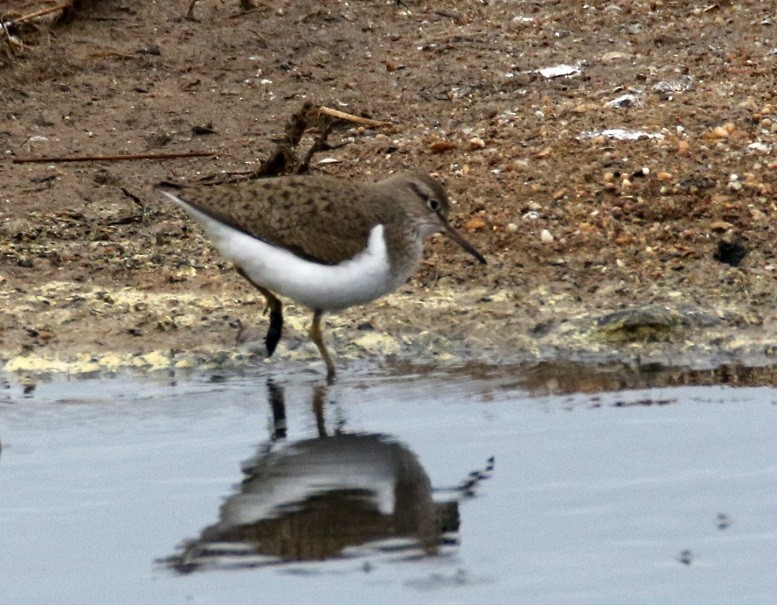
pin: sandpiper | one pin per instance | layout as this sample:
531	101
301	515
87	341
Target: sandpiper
326	243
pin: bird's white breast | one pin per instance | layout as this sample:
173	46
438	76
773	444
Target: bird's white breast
363	278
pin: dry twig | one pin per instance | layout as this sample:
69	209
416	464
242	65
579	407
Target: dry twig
116	158
341	115
35	15
283	159
319	144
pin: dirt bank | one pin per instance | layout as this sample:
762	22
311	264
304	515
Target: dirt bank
602	243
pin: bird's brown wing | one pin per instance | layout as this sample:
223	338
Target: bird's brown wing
321	219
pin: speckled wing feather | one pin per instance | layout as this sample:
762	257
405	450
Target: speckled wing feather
305	215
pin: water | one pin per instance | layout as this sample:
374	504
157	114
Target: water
507	484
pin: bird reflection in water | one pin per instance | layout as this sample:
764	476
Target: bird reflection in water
339	495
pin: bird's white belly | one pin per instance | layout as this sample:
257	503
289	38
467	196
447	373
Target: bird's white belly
363	278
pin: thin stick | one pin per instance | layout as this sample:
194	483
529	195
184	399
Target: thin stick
117	158
40	13
318	145
341	115
450	15
113	53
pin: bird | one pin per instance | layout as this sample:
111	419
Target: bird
324	242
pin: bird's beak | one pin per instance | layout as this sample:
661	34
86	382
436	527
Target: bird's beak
456	237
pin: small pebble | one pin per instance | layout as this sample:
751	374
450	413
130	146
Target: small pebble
755	213
512	227
720	226
759	147
546	236
719	132
627	100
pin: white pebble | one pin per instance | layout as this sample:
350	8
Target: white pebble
546	236
512	227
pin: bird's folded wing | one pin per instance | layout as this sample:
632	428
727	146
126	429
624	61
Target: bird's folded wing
322	220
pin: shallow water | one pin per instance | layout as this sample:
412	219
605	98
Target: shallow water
422	487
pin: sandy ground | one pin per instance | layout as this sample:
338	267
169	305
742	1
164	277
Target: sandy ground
614	197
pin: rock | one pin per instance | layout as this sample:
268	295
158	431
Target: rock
730	253
651	323
624	101
475	224
667	88
720	226
442	146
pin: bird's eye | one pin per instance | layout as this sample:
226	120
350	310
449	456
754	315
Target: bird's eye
433	204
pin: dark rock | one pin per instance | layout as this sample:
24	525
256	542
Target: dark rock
731	253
